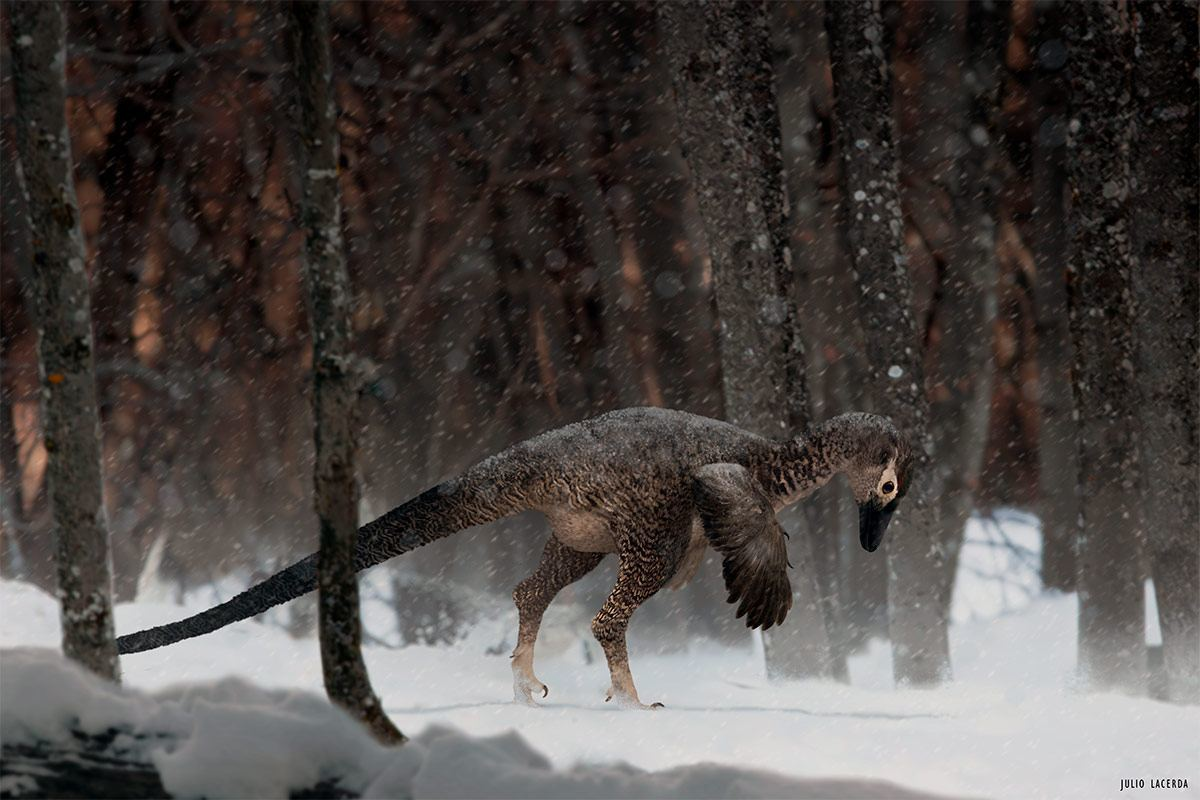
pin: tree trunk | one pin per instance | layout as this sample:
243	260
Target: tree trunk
857	607
961	384
1112	646
576	128
129	174
335	376
729	132
680	321
25	548
873	231
1167	248
1058	469
801	66
70	422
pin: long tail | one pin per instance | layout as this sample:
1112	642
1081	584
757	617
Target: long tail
482	495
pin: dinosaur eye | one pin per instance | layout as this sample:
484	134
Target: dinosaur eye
889	487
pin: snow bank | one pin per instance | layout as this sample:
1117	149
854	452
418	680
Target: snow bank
224	739
509	769
232	739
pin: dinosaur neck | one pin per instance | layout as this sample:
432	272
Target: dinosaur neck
800	466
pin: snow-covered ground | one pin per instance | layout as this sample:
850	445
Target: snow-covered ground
1011	725
232	739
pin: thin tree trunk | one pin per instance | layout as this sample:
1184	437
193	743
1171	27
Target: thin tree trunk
841	342
1167	248
966	310
70	422
335	376
26	552
632	328
837	363
1058	454
681	321
619	369
873	231
729	132
800	88
129	175
1112	646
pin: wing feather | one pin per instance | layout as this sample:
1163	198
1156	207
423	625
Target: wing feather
740	524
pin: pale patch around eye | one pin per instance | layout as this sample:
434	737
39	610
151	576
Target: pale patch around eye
888	484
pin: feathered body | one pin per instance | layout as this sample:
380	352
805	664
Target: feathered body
653	486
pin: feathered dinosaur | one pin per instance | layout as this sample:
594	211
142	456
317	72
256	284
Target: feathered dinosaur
655	487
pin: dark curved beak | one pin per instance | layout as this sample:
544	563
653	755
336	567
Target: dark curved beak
873	521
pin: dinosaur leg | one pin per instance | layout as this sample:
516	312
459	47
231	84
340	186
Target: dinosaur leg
639	577
559	567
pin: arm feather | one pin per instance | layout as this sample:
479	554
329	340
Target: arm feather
740	524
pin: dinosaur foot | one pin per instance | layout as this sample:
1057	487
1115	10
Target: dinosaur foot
625	700
524	688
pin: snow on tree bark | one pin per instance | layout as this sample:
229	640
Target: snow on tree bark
70	421
1166	248
335	391
1058	506
728	123
1112	646
873	231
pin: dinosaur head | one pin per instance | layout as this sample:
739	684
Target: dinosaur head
879	473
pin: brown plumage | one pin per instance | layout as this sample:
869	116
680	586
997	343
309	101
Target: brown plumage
652	486
740	524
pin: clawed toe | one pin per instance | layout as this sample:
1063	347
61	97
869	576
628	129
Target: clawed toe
523	691
525	696
626	701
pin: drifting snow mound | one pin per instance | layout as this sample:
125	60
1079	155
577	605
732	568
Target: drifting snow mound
223	739
233	739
